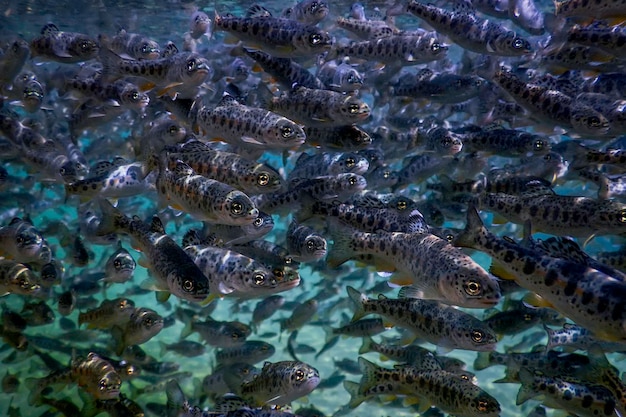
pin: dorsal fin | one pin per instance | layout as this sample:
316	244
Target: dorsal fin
227	100
256	10
169	50
49	29
156	225
192	237
182	169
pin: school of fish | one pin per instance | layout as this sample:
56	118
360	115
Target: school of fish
244	210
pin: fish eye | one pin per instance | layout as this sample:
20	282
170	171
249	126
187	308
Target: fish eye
482	406
236	208
191	65
528	317
263	179
538	145
449	237
278	273
148	322
258	222
20	239
286	131
386	174
315	39
352	181
23	283
117	263
84	46
353	108
594	121
134	96
172	129
235	335
518	43
314	6
350	162
548	157
259	278
102	386
310	244
146	48
472	288
478	336
401	205
435	47
122	304
622	216
188	285
299	375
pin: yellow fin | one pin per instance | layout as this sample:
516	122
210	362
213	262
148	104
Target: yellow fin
500	271
536	300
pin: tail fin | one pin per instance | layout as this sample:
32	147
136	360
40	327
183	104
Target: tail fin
473	228
358	299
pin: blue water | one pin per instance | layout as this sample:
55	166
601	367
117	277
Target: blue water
167	21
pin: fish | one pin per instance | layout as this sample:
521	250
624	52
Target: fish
108	314
581	399
186	348
439	270
552	106
280	37
173	270
304	244
250	352
310	12
366	29
120	266
66	47
12	60
20	240
235	275
285	71
280	383
204	198
143	325
440	325
134	46
565	285
302	314
320	108
461	397
220	334
168	74
401	49
92	373
17	278
327	163
243	125
341	77
471	32
230	168
265	308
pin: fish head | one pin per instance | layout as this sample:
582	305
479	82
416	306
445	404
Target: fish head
311	40
352	162
266	179
472	287
303	379
314	246
485	405
195	69
352	183
84	47
17	50
192	286
588	121
108	387
24	281
510	44
287	133
135	99
241	210
262	225
354	109
28	240
149	49
199	24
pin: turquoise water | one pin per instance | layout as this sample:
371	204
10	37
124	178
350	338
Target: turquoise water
167	21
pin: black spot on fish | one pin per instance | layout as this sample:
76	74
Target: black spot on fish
550	278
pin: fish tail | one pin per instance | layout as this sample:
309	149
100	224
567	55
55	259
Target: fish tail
369	370
109	59
358	299
366	346
355	397
113	220
525	392
341	251
187	330
468	237
118	340
482	361
175	398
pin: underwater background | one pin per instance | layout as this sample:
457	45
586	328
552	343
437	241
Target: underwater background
25	193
